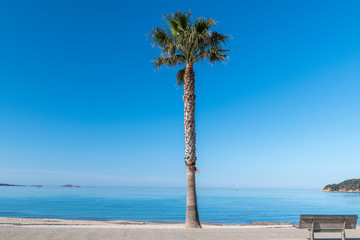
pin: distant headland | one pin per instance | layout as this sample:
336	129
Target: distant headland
350	185
70	186
37	186
10	185
15	185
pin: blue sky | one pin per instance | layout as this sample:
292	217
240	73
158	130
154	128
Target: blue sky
81	104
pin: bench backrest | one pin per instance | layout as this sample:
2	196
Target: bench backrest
328	221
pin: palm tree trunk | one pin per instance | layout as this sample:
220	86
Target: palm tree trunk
192	215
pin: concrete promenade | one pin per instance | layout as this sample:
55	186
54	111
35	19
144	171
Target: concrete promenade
29	229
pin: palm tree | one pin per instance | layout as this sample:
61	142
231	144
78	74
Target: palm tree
185	43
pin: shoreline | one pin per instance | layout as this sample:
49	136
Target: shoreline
341	191
45	222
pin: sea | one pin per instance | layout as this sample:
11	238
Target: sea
221	206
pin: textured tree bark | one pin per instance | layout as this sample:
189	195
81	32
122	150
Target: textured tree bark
192	215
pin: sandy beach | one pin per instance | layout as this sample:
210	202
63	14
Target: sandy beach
45	229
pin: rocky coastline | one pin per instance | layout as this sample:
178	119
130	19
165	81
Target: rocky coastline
340	190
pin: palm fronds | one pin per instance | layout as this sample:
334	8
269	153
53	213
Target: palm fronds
183	42
169	61
180	77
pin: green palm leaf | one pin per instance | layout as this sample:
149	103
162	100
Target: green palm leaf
183	42
180	77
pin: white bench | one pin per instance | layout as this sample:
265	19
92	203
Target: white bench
327	223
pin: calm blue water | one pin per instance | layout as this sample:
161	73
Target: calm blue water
168	205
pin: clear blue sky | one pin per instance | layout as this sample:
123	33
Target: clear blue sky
81	104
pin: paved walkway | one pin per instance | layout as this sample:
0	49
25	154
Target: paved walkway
145	233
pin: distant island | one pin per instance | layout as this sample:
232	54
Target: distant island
37	186
10	185
70	186
350	185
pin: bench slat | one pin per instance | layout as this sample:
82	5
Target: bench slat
328	221
328	216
